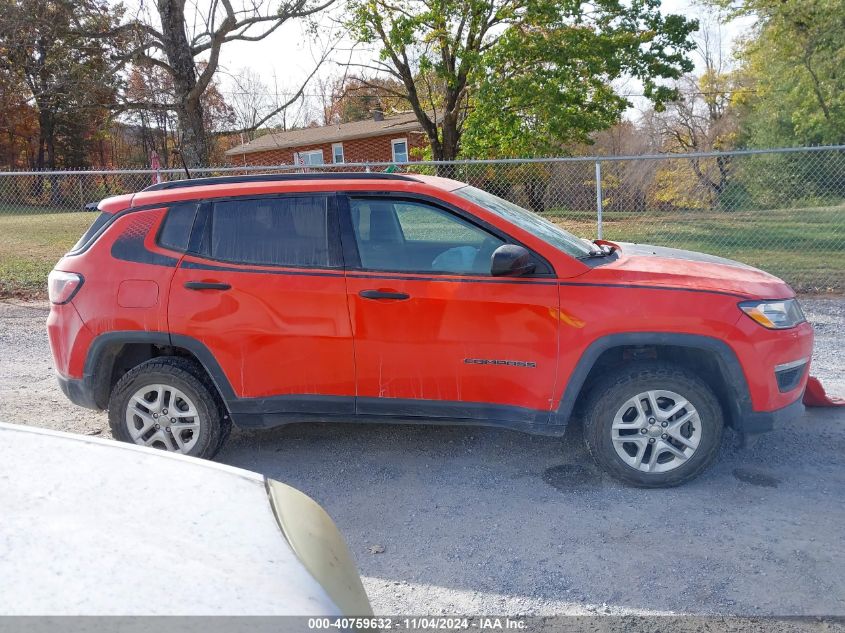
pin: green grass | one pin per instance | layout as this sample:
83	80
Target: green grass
32	240
805	246
31	209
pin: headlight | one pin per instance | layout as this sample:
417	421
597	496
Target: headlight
774	315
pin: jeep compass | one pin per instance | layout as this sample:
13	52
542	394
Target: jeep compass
264	300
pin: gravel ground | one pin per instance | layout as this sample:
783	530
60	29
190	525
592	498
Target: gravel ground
475	521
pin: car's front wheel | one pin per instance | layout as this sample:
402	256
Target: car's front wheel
653	424
167	403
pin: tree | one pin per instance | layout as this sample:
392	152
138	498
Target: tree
703	118
18	124
67	76
191	57
354	98
256	105
794	59
626	184
520	76
157	126
250	101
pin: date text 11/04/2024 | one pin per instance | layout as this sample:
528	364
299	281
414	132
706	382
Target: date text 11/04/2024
418	623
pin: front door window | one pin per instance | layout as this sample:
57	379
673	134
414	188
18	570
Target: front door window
412	236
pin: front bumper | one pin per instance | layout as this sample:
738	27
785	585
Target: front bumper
764	421
766	357
78	391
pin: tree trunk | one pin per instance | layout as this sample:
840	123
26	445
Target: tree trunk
49	135
535	189
446	147
194	145
46	158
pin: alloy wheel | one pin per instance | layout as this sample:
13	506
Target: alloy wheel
656	431
162	416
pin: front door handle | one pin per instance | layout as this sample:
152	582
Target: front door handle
379	294
206	285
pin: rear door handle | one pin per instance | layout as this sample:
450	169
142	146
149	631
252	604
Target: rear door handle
206	285
378	294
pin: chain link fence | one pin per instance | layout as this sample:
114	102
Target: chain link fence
780	210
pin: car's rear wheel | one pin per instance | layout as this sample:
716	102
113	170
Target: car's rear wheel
653	424
167	403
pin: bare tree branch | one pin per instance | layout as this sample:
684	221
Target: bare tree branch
214	24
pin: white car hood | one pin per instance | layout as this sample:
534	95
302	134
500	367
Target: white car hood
95	527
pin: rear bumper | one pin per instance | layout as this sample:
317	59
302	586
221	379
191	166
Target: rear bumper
764	421
78	391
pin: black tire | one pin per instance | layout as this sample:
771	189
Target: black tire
612	391
186	376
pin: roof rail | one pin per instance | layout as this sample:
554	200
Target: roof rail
223	180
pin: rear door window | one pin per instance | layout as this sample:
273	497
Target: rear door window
284	231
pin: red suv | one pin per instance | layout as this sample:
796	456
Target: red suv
264	300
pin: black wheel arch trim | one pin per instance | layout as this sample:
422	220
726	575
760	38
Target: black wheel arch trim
739	402
109	343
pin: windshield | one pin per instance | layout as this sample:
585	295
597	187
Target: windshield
529	221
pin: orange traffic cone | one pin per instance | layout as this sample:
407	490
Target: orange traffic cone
815	396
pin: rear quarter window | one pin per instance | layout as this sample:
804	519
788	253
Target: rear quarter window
98	223
176	230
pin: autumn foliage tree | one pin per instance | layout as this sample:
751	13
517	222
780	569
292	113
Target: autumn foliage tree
18	123
66	76
158	126
355	98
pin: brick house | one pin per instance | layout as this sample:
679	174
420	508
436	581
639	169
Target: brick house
380	139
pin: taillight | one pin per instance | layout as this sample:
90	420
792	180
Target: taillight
61	286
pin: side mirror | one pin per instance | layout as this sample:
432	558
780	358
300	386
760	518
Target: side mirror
510	260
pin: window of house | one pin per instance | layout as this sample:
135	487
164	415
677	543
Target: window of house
412	236
337	153
311	157
285	231
400	150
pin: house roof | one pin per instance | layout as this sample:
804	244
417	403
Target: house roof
329	134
